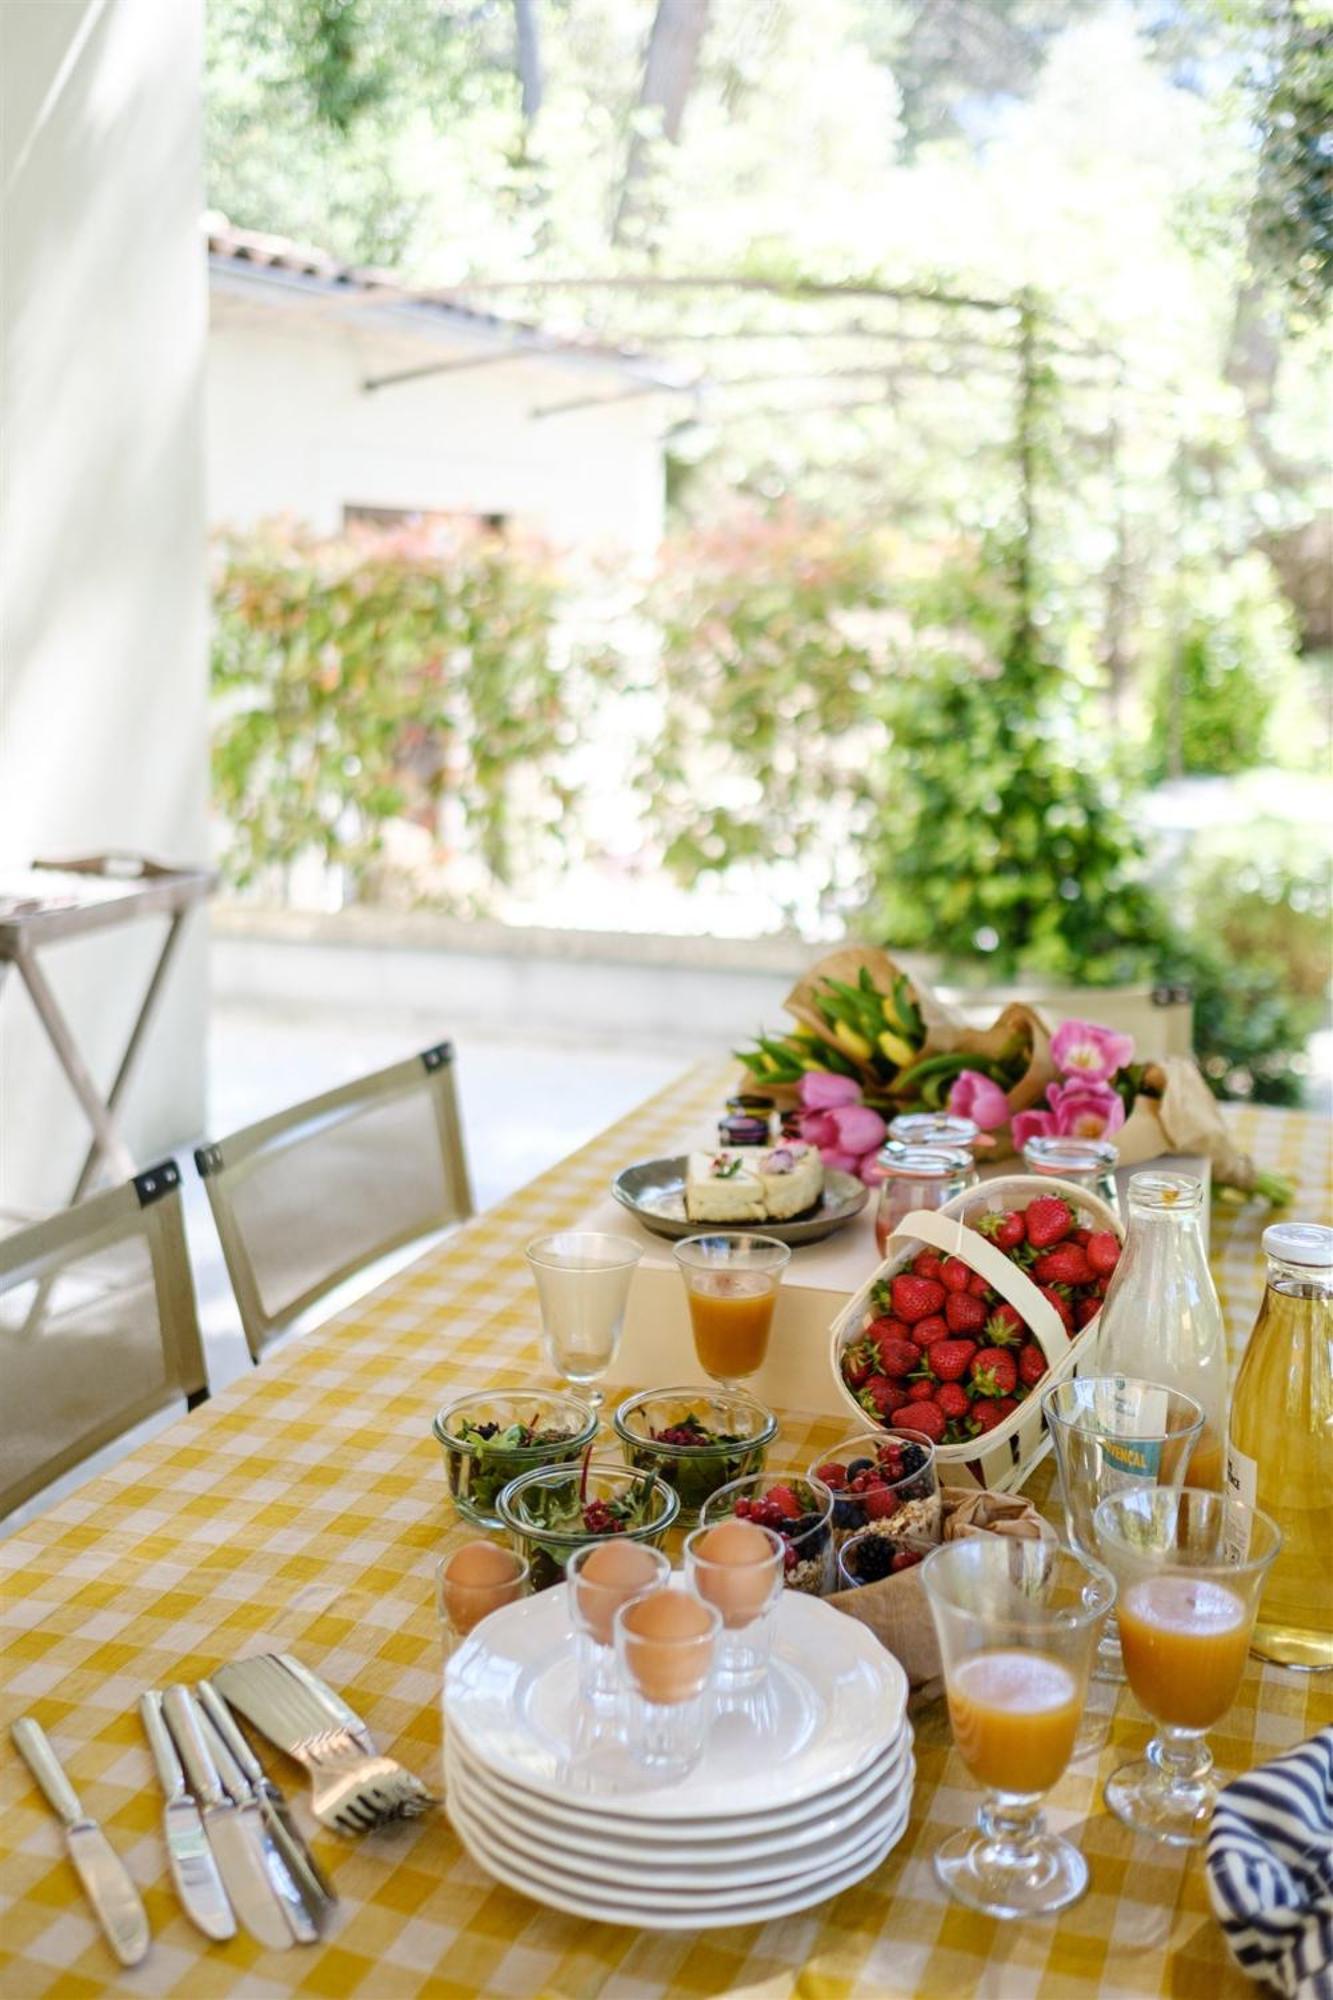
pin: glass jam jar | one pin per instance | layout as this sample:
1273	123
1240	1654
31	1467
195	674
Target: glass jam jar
918	1177
1088	1163
934	1128
749	1121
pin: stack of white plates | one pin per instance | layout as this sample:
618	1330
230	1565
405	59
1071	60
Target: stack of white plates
776	1816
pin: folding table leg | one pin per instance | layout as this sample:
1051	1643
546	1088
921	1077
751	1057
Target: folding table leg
132	1046
108	1142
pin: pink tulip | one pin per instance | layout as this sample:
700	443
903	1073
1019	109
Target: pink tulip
839	1163
1085	1110
818	1090
870	1169
860	1130
976	1097
1082	1049
817	1129
1032	1125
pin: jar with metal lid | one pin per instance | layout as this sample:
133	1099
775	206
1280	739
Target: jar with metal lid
749	1120
918	1177
934	1128
1088	1163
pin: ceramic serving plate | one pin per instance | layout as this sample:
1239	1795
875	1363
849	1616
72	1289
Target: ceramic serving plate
585	1831
740	1866
593	1901
654	1190
839	1699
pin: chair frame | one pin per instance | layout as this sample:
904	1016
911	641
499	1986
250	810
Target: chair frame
149	1206
225	1163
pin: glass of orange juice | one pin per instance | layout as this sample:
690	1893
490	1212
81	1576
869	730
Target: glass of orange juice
731	1281
1017	1623
1190	1566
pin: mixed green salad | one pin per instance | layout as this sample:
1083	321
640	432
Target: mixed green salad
484	1457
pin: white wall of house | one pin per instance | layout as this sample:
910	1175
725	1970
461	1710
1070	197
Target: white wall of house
292	431
103	726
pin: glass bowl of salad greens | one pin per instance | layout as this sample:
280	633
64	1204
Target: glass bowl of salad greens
695	1439
558	1508
494	1436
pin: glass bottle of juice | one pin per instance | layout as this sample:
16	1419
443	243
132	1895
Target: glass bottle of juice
1280	1450
1161	1321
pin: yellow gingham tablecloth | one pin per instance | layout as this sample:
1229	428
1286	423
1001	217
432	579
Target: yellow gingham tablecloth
302	1510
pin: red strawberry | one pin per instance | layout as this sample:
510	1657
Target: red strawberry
1031	1364
927	1418
1054	1297
858	1364
979	1288
948	1359
985	1414
927	1264
921	1391
783	1497
1086	1311
964	1313
880	1394
1103	1252
955	1275
1066	1265
994	1372
904	1559
1007	1405
916	1298
953	1399
880	1502
1006	1326
1006	1230
896	1357
928	1330
1048	1220
833	1473
1080	1236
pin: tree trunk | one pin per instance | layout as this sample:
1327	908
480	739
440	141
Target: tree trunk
528	57
669	70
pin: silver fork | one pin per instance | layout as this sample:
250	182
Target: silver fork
353	1788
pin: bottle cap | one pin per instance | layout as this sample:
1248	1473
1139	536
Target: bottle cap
1308	1243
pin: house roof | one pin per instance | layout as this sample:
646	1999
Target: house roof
251	254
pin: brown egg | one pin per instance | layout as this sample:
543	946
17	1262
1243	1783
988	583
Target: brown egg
669	1645
735	1571
611	1572
476	1580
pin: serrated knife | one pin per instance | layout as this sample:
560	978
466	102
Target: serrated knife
240	1863
105	1880
193	1868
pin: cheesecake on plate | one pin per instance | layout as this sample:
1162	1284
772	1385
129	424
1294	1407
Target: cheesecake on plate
753	1183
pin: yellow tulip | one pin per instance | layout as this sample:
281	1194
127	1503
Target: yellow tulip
896	1049
854	1045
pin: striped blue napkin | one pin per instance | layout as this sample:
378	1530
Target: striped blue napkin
1270	1870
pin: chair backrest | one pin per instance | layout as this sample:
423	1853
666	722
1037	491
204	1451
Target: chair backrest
305	1200
98	1329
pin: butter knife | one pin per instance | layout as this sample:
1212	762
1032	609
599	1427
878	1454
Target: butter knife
240	1863
317	1892
193	1868
242	1796
103	1874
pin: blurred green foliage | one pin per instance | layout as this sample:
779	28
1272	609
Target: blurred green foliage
1227	645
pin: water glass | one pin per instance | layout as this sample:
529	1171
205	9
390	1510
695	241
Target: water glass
593	1604
1191	1566
668	1667
1114	1434
583	1280
731	1282
1017	1623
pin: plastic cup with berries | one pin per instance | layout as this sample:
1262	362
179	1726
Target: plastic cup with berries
799	1510
871	1555
886	1479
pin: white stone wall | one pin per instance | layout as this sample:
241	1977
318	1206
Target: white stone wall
103	721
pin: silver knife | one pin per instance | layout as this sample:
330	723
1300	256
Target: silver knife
240	1863
241	1794
193	1869
317	1892
103	1874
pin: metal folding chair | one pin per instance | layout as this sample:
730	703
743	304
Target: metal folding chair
316	1195
98	1329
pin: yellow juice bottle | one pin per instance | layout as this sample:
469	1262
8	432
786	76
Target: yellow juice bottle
1280	1445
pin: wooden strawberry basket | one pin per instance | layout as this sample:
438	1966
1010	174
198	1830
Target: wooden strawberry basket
1001	1458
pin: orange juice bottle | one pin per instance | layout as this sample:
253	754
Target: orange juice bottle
1162	1321
1184	1640
731	1313
1280	1452
1015	1714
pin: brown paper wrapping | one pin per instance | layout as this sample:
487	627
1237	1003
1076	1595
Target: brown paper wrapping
896	1609
1185	1118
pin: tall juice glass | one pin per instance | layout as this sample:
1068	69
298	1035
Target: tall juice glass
583	1279
1190	1568
1017	1623
731	1282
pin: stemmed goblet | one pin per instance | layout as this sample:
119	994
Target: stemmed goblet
583	1280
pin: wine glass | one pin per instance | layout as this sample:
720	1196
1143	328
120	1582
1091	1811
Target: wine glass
1017	1623
583	1279
731	1282
1191	1567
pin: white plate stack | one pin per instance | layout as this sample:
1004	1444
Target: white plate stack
771	1820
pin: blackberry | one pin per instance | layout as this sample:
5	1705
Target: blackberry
847	1514
874	1558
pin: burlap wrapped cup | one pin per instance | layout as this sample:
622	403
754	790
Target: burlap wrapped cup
896	1609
